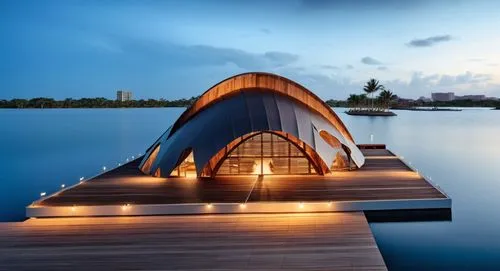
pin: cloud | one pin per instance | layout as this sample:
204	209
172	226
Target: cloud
370	61
330	67
382	68
430	41
265	30
466	78
181	56
358	5
280	58
475	59
422	85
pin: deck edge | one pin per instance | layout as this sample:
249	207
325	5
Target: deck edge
236	208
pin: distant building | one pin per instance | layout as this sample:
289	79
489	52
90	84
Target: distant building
424	99
443	96
123	96
471	97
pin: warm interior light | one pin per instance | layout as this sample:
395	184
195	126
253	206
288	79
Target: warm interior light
264	164
191	174
301	205
209	205
125	207
329	203
243	206
73	208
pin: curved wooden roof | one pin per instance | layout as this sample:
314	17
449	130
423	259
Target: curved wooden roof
262	81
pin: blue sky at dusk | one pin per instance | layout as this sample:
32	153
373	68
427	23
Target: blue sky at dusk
176	49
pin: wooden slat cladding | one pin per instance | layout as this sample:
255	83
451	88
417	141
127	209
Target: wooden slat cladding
266	82
333	241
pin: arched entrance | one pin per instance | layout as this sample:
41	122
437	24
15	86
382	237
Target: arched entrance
266	153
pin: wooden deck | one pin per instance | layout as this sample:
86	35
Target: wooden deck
320	241
383	177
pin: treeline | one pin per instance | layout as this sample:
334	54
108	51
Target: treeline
336	103
353	101
464	103
93	103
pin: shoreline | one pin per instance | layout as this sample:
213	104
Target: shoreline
370	113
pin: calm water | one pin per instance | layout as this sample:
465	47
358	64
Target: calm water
42	149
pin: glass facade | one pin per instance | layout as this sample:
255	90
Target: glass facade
266	153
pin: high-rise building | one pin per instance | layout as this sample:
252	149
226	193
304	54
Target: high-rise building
123	96
471	97
443	96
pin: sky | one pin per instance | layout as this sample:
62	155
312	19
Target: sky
178	49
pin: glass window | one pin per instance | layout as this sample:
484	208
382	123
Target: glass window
266	153
186	168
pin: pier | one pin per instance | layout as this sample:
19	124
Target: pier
322	241
385	183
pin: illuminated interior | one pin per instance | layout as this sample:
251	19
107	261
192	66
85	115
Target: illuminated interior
186	168
266	153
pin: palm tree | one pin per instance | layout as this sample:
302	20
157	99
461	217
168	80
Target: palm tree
353	100
363	100
371	87
386	96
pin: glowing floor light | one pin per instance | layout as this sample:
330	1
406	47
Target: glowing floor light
63	185
43	194
82	178
103	168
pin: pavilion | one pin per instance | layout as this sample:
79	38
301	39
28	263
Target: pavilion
254	123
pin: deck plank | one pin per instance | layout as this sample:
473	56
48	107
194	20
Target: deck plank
321	241
383	177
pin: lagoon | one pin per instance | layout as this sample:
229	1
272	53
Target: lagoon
460	151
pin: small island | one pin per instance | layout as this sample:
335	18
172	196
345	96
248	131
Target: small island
362	105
